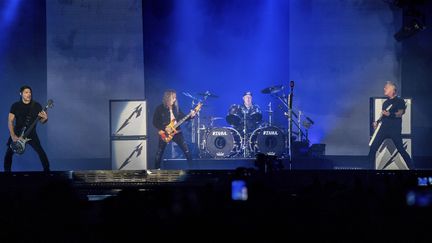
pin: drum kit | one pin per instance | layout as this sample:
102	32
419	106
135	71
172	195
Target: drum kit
247	135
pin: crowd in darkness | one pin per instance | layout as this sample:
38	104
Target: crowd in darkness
279	207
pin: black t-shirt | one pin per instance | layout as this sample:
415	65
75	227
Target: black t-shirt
25	115
393	121
162	116
253	118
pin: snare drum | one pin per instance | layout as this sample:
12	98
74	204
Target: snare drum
268	140
223	142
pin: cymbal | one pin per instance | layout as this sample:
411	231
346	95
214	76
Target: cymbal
189	95
208	94
212	118
273	89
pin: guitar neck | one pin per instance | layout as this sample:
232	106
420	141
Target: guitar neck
31	127
381	117
197	108
181	121
28	131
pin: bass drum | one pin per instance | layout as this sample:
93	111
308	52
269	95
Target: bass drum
223	142
268	140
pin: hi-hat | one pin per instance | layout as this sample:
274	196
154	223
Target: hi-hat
272	90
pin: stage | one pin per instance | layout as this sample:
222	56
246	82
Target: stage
281	104
111	181
331	162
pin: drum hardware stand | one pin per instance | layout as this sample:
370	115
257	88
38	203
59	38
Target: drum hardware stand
300	132
195	133
195	128
245	147
270	113
290	112
288	103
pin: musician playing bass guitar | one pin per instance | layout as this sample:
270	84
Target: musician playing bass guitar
167	118
392	110
21	115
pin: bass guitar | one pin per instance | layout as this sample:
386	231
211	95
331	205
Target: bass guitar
20	145
171	129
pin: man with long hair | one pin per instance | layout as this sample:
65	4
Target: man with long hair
165	113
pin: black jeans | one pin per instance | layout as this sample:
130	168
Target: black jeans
395	135
179	140
35	144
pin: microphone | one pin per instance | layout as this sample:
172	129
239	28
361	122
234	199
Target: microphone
291	94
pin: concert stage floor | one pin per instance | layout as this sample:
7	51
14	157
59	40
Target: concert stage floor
106	180
234	163
332	162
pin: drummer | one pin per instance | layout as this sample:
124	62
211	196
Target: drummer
251	112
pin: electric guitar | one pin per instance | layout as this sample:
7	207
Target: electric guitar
19	146
379	121
172	126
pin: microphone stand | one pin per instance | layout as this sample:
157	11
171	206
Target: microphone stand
290	98
287	102
193	126
300	132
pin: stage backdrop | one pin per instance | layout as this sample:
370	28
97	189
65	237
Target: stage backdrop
339	53
94	54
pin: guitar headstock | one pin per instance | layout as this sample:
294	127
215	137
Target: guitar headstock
50	103
198	107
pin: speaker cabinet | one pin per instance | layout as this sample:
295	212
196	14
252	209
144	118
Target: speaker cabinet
128	133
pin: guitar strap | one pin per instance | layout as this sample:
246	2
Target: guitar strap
29	115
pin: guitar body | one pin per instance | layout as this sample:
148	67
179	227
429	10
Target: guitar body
172	126
19	146
165	136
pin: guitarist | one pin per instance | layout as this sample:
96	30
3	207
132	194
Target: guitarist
391	124
22	114
163	115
